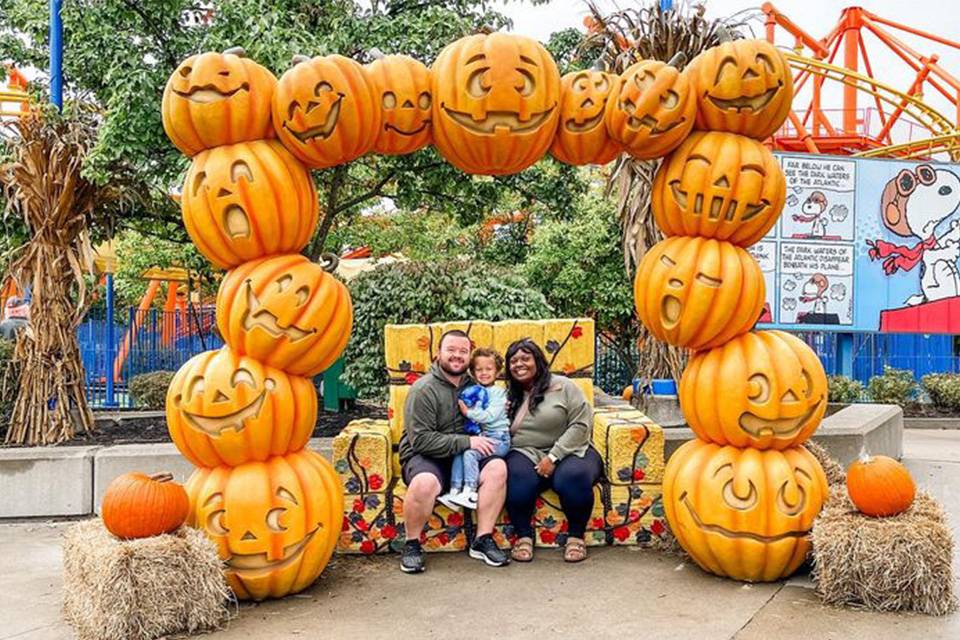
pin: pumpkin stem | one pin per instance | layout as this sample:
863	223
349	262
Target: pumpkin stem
376	54
486	29
724	35
162	477
678	59
598	65
329	261
297	59
237	51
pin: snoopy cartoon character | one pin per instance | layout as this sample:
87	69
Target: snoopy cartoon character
913	205
815	291
813	210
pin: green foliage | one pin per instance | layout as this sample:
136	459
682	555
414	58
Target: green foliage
944	390
137	252
844	390
895	386
417	292
416	236
149	390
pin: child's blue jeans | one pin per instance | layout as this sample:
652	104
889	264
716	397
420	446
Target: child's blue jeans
465	472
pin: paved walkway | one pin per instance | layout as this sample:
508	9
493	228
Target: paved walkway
617	593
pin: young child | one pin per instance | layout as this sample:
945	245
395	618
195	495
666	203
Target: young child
491	416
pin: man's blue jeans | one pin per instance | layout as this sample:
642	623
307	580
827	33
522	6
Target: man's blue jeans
465	472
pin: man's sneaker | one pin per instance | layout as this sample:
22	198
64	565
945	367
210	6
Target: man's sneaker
412	559
466	498
449	500
484	548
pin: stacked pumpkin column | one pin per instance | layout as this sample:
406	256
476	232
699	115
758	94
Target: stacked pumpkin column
243	414
743	495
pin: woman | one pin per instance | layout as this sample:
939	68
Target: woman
551	423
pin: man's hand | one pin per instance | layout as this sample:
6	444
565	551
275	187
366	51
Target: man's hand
463	407
545	467
482	444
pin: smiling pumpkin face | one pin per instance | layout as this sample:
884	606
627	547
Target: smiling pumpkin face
402	85
286	312
223	408
275	523
325	111
496	103
765	390
743	513
582	137
213	99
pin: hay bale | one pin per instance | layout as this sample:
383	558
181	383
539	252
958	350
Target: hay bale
831	467
141	589
900	563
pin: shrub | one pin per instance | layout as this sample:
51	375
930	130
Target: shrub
149	390
843	389
419	293
895	386
943	389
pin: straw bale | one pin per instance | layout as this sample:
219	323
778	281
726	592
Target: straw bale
899	563
141	589
831	467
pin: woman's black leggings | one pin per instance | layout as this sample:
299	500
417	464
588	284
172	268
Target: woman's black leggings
573	480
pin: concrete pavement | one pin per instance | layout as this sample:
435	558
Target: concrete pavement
619	592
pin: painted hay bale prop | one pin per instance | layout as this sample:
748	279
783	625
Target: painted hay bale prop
398	398
362	454
407	350
636	515
551	523
368	525
509	331
445	531
569	346
630	443
899	563
141	589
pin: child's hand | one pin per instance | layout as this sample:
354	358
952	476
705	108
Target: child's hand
463	407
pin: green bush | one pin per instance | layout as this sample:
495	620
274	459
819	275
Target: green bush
149	390
895	386
8	383
419	293
943	389
844	390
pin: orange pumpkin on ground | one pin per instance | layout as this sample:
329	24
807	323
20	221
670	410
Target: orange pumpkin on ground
742	87
719	185
698	293
213	99
496	102
582	136
285	312
245	201
651	109
880	486
224	408
402	86
139	506
275	523
766	390
743	513
326	111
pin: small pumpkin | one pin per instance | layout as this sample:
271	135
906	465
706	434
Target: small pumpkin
326	111
285	312
743	513
582	136
651	109
766	390
245	201
214	99
880	486
698	293
742	87
224	408
496	103
275	523
402	86
136	505
719	185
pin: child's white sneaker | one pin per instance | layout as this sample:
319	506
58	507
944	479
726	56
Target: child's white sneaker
466	498
449	500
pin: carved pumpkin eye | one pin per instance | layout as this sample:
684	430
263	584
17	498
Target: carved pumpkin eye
758	388
389	100
242	376
734	501
669	100
667	260
283	282
303	293
602	84
582	83
195	388
729	61
273	520
198	182
475	85
809	381
240	169
186	71
215	523
224	73
767	62
286	495
321	87
529	84
709	280
793	509
644	80
424	100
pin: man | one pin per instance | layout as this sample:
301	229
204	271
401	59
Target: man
432	436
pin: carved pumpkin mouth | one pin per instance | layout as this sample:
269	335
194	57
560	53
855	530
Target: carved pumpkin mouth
587	125
388	127
209	93
727	533
255	316
759	427
671	309
214	426
235	222
254	563
716	205
753	103
498	120
322	131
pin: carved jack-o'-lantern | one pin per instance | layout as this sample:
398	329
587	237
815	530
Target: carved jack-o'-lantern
325	111
582	137
743	513
719	185
286	312
244	201
698	293
275	523
223	408
651	109
742	87
402	85
214	99
765	389
495	103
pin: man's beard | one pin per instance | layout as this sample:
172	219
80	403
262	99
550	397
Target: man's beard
452	372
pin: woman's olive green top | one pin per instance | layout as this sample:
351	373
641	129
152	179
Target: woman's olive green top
562	423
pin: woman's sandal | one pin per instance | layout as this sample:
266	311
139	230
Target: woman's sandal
522	550
575	551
